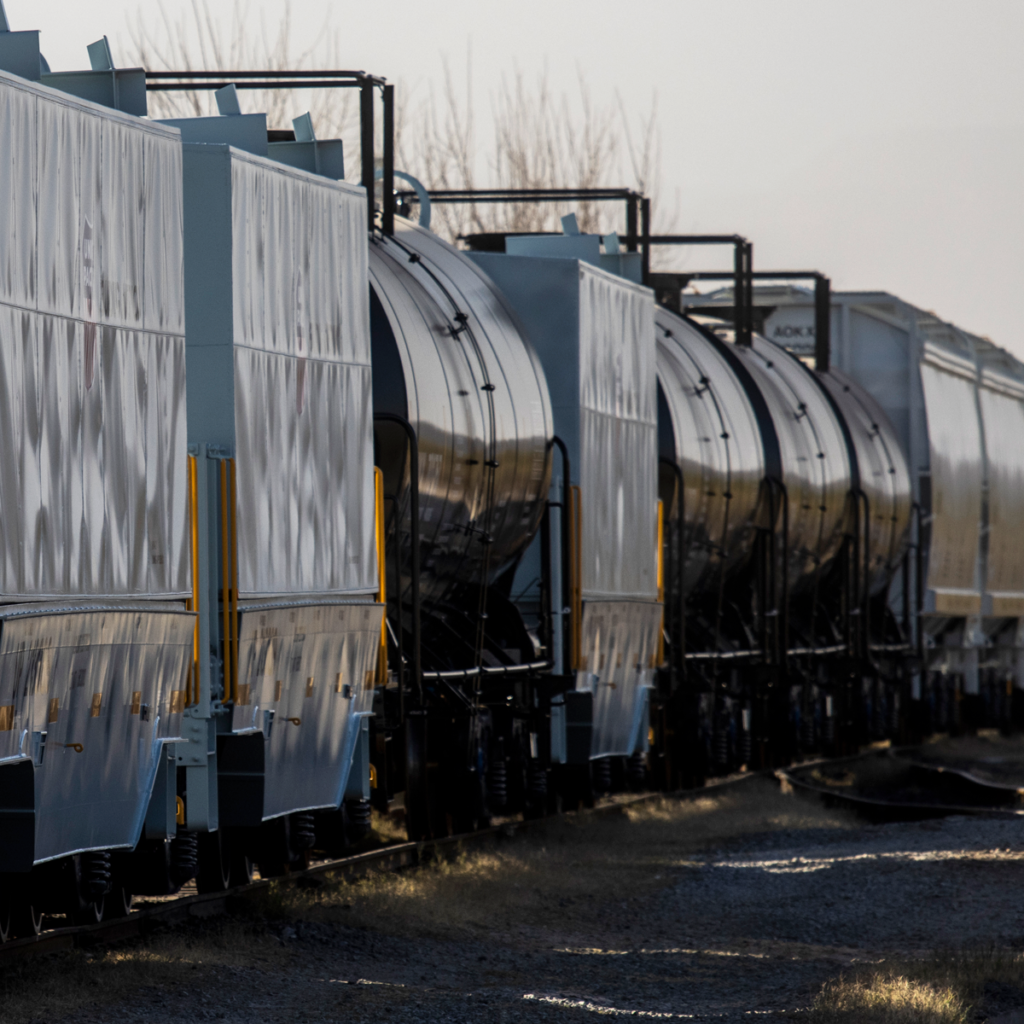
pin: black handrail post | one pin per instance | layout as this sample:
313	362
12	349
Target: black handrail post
631	224
748	293
866	598
414	514
919	587
678	657
388	178
645	237
565	596
822	323
784	610
738	290
366	147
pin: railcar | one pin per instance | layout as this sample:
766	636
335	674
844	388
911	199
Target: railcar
279	393
781	457
306	509
96	642
955	402
192	616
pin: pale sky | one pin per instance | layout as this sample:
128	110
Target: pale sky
880	141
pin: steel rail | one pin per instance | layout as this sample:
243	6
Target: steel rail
396	857
489	670
791	652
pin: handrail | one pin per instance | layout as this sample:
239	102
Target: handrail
678	561
414	515
382	596
576	575
233	593
225	578
661	580
565	544
192	688
229	576
193	81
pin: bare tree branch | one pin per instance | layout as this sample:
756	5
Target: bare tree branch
540	139
197	41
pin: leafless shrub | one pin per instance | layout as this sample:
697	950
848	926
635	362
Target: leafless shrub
541	140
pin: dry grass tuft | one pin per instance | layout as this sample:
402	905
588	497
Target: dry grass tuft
889	999
939	990
560	874
47	987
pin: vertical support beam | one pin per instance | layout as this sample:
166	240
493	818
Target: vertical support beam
645	231
822	323
748	293
565	567
388	180
742	290
414	543
366	145
631	223
198	753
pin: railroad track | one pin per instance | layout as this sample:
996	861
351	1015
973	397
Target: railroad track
403	855
892	783
394	857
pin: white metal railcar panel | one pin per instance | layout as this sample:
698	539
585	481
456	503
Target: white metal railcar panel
618	436
619	650
594	335
306	676
93	489
92	493
91	696
1002	412
304	445
956	458
279	365
19	193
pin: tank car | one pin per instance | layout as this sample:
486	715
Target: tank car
96	643
819	482
540	632
452	366
955	401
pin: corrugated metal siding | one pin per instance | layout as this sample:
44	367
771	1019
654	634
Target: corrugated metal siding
105	679
618	436
301	379
92	400
322	657
954	440
1002	410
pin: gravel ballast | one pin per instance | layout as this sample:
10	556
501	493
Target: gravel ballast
737	906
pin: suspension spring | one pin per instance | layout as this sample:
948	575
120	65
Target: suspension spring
302	831
96	874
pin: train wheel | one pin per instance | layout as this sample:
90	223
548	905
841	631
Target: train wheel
241	868
284	843
214	874
118	902
26	921
90	913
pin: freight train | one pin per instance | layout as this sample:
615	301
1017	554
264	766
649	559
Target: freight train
306	511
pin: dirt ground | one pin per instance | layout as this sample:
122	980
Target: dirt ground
744	904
